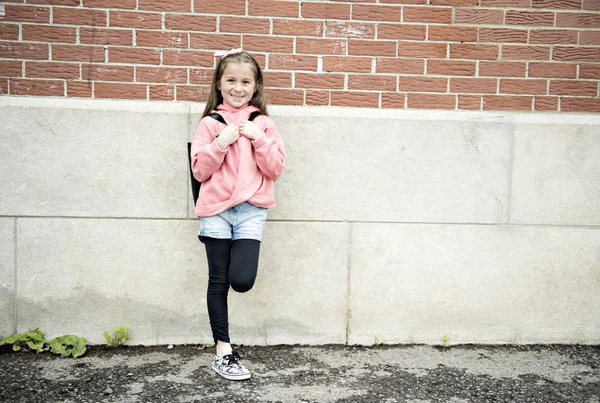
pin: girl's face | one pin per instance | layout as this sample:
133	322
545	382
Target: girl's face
237	84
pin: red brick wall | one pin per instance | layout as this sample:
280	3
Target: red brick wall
443	54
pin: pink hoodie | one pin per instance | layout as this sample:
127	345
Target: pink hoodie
244	172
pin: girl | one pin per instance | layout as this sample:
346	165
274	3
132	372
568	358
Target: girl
237	163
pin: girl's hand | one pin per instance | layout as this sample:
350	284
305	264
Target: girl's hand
228	135
250	130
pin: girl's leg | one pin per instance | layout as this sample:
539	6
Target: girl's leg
218	254
244	264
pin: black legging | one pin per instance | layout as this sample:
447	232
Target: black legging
232	263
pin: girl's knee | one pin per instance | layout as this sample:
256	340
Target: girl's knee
242	286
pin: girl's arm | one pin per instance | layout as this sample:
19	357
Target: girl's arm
269	151
206	155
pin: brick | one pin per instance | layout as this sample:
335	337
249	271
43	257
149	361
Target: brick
321	46
412	32
347	64
479	52
591	4
166	39
9	32
419	49
55	88
165	5
48	33
11	68
23	50
431	101
270	44
133	55
278	79
579	20
190	58
317	98
201	76
502	69
4	86
506	3
545	103
504	35
105	36
456	3
186	22
372	82
18	13
376	12
78	16
552	36
580	105
423	84
320	81
578	88
194	93
325	10
78	53
576	54
451	67
274	8
171	75
469	102
292	62
589	37
523	86
357	99
393	100
516	52
400	66
452	34
107	72
589	71
215	41
82	89
74	3
398	1
51	70
109	3
285	97
162	92
298	27
358	47
347	29
559	4
229	7
474	85
478	16
427	14
120	91
529	18
245	25
507	103
131	19
553	70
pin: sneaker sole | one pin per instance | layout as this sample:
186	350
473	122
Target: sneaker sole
232	377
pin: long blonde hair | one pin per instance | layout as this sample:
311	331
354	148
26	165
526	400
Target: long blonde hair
259	99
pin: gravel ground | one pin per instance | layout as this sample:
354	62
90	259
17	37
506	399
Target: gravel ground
408	373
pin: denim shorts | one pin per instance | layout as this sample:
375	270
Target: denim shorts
244	221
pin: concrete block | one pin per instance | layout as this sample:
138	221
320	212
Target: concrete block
93	158
475	284
85	276
301	292
556	177
394	170
7	276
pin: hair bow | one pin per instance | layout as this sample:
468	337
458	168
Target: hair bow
224	53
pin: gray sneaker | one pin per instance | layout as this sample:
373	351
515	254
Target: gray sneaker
230	367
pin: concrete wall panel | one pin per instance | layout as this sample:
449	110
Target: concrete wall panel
7	276
67	161
484	284
556	177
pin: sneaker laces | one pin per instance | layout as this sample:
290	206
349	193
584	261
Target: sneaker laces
232	358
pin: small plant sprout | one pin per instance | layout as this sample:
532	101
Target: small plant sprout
119	336
68	345
445	339
33	339
376	341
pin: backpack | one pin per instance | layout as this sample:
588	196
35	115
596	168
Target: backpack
194	182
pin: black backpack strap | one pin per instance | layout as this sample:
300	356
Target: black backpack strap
217	117
253	115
